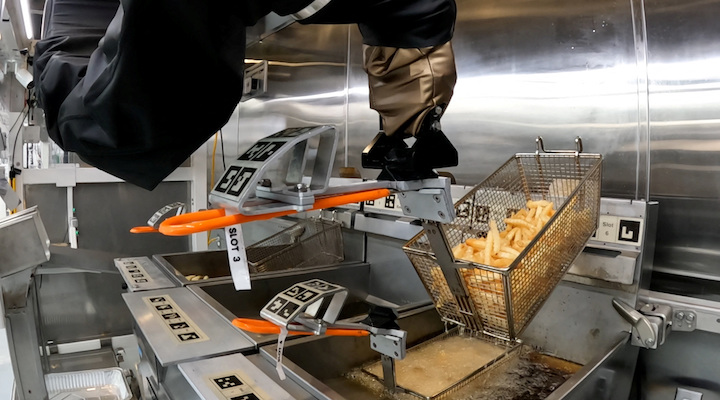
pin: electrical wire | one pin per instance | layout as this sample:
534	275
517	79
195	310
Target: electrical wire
212	173
212	167
222	149
13	183
222	153
20	117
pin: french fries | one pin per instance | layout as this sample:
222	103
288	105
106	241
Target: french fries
500	249
196	277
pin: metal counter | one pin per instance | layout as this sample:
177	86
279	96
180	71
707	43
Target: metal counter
179	327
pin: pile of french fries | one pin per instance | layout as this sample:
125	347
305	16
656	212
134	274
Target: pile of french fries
500	249
196	277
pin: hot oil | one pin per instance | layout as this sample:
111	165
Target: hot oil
531	376
434	366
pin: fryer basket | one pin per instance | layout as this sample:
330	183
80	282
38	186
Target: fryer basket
501	301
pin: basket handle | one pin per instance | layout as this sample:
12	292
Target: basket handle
541	147
206	220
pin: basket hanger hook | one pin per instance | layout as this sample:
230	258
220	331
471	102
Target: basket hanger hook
540	147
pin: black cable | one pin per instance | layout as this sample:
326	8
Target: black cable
17	135
222	149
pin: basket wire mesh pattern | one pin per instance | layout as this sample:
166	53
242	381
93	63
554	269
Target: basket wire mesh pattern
502	301
308	243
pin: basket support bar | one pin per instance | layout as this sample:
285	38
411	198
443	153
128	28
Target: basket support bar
446	261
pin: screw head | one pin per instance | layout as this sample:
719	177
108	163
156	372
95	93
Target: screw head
680	315
407	209
301	187
436	198
650	342
690	317
441	214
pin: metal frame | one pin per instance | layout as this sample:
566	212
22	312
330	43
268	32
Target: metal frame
706	314
70	175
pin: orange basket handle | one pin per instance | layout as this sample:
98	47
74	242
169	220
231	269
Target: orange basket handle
267	327
201	221
143	229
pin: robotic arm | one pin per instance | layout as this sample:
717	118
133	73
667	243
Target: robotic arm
117	107
411	74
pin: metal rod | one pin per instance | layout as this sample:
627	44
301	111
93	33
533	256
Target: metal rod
388	366
440	246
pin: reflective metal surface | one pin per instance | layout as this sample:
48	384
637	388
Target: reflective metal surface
81	361
595	324
551	68
609	376
20	315
357	278
105	213
637	80
81	306
202	373
221	337
289	385
683	82
319	364
23	242
140	273
686	360
306	86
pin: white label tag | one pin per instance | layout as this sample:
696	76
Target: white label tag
279	354
237	257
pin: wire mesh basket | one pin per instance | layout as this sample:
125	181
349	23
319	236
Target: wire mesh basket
308	243
502	301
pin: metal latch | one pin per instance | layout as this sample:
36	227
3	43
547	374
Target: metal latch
651	324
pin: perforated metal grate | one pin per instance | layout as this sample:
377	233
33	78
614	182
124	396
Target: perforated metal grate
501	302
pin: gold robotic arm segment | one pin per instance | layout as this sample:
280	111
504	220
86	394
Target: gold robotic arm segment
408	85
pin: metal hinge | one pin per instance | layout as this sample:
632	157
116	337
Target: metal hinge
653	322
650	324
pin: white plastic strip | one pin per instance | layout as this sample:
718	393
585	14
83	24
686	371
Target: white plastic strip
76	347
279	354
237	257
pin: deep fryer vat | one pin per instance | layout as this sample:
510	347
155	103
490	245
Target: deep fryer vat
305	244
508	353
333	365
501	302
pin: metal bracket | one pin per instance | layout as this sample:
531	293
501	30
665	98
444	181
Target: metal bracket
157	218
684	320
660	317
651	324
270	177
433	201
301	303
